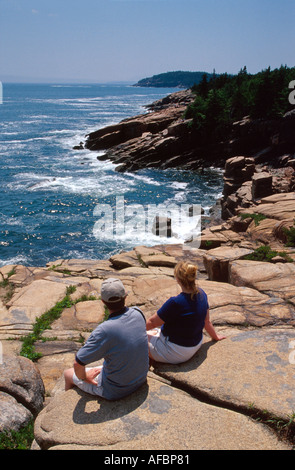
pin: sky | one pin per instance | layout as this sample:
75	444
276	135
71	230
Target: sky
102	41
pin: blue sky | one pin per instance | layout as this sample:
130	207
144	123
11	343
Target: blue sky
126	40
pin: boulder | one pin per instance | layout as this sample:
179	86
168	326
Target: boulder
216	261
240	224
244	186
125	260
13	415
265	231
270	231
159	260
212	237
244	195
261	185
234	165
21	392
275	280
237	171
210	240
278	206
29	303
244	306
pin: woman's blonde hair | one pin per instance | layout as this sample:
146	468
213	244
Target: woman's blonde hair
186	274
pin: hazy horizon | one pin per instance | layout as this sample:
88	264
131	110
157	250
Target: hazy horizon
115	41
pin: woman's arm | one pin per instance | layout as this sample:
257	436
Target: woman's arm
154	322
210	329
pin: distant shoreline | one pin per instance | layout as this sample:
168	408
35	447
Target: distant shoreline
177	79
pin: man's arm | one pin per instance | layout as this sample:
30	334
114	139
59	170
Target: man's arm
80	371
89	375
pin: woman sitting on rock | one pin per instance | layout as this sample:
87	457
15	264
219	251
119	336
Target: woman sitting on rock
182	320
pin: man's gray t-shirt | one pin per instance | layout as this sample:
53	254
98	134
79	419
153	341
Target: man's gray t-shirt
122	342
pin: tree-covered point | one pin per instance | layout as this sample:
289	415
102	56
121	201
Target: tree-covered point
177	79
223	99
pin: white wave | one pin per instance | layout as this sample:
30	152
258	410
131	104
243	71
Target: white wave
99	166
101	186
135	225
145	179
10	221
178	185
180	196
77	135
24	141
20	259
61	131
70	101
213	169
9	133
40	116
70	86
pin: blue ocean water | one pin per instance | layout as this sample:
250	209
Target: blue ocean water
50	192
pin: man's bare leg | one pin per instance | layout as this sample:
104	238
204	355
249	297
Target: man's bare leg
68	375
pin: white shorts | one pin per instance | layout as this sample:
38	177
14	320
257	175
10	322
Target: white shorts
162	350
89	388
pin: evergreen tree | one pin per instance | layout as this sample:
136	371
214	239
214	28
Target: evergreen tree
203	88
224	98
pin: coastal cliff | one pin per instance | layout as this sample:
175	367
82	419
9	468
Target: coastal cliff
158	139
164	138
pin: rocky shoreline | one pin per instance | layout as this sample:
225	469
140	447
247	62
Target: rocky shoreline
157	139
229	391
226	385
163	138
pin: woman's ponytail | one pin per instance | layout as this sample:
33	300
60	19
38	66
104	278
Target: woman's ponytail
186	274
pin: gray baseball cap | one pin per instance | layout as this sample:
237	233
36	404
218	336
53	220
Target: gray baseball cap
112	290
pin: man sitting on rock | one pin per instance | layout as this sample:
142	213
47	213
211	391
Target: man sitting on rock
122	341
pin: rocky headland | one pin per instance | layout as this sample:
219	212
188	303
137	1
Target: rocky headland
163	138
236	394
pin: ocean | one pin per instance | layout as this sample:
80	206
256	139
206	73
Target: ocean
53	198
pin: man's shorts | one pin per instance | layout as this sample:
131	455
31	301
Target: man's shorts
90	388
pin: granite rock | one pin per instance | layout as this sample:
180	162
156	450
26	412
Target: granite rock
146	420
